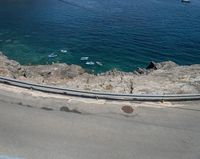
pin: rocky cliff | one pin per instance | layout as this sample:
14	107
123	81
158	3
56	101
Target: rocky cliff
157	78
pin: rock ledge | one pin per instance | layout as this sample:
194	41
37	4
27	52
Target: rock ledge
158	78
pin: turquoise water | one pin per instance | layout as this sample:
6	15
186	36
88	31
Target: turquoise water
122	34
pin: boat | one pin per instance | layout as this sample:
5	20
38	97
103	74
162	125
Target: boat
185	1
84	58
89	63
52	55
63	51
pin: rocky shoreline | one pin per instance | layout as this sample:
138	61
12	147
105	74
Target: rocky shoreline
158	78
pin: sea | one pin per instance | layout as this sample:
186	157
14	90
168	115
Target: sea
100	35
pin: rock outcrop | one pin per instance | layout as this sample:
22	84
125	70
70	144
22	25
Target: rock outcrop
158	78
162	65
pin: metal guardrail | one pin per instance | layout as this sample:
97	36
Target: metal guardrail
98	95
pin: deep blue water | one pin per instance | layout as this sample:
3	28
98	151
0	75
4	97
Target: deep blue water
123	34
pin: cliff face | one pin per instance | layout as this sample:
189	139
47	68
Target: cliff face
38	73
157	78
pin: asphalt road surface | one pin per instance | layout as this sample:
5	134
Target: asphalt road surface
152	133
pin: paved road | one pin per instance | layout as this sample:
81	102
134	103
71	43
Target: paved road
153	133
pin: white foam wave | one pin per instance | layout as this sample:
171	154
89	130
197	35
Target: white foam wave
99	63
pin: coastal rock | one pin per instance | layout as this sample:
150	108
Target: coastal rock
55	71
74	71
141	71
10	68
167	65
158	78
114	72
152	65
162	65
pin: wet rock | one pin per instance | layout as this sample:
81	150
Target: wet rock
152	65
162	65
